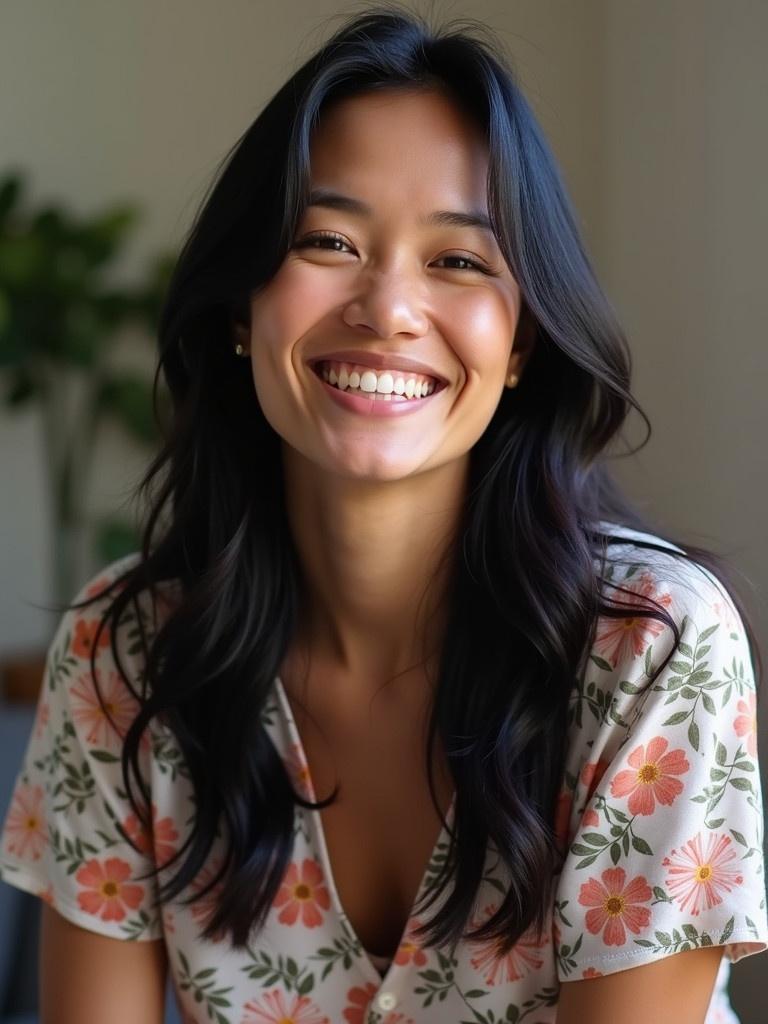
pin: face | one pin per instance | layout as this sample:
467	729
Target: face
381	346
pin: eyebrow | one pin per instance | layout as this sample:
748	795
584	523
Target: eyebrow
443	218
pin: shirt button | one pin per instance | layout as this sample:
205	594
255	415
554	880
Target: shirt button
386	1000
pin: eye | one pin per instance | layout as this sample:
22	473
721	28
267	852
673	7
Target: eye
326	240
468	264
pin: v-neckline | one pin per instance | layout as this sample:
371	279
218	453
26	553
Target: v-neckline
325	859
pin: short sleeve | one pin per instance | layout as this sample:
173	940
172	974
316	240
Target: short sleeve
665	847
70	834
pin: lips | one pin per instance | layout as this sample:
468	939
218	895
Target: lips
380	361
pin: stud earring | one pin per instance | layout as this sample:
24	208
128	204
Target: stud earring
512	380
239	349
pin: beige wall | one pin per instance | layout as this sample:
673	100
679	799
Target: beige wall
656	110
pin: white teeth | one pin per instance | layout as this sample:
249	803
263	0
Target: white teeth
385	383
368	382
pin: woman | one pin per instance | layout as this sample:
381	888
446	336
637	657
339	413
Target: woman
402	714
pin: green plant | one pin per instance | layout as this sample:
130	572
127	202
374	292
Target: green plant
59	318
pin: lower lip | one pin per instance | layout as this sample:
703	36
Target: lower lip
375	406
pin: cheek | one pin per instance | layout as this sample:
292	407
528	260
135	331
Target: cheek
278	320
481	329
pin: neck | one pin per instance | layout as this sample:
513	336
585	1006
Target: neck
374	565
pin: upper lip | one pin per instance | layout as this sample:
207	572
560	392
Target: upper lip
380	361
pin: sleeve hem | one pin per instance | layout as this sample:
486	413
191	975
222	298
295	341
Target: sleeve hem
22	878
738	945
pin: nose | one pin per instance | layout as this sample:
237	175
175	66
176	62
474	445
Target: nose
387	303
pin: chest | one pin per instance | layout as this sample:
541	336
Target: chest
381	830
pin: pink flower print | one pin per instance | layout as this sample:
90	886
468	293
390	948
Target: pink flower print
303	893
615	905
524	957
84	637
25	828
590	818
158	843
106	893
359	1000
745	723
617	639
652	777
88	713
99	585
278	1007
409	951
298	770
591	972
41	718
699	873
591	774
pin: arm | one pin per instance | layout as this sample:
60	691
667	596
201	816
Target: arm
675	990
87	978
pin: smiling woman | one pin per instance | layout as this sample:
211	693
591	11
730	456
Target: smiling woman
402	714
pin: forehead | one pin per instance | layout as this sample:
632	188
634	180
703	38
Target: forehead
400	146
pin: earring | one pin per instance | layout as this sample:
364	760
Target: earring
512	380
239	349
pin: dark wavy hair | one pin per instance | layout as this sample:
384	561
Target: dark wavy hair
532	557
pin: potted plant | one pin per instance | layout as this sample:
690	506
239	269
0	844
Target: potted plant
60	316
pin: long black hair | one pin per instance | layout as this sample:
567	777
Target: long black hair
532	560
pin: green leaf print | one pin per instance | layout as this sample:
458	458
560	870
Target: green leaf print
565	956
201	985
690	939
284	971
691	683
60	664
136	926
721	777
73	854
75	788
344	951
168	757
621	830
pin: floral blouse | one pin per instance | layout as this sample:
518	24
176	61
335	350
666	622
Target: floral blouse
660	817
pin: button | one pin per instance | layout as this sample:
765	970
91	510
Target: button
386	1000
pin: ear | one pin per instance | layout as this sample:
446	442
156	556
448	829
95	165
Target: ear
526	336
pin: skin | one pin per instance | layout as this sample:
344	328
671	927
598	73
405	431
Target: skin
373	504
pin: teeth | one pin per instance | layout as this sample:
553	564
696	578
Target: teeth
385	384
368	381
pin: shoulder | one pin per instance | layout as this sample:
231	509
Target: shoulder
643	570
96	641
677	638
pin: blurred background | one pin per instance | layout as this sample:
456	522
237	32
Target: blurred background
113	119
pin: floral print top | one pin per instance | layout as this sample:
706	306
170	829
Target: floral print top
660	818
